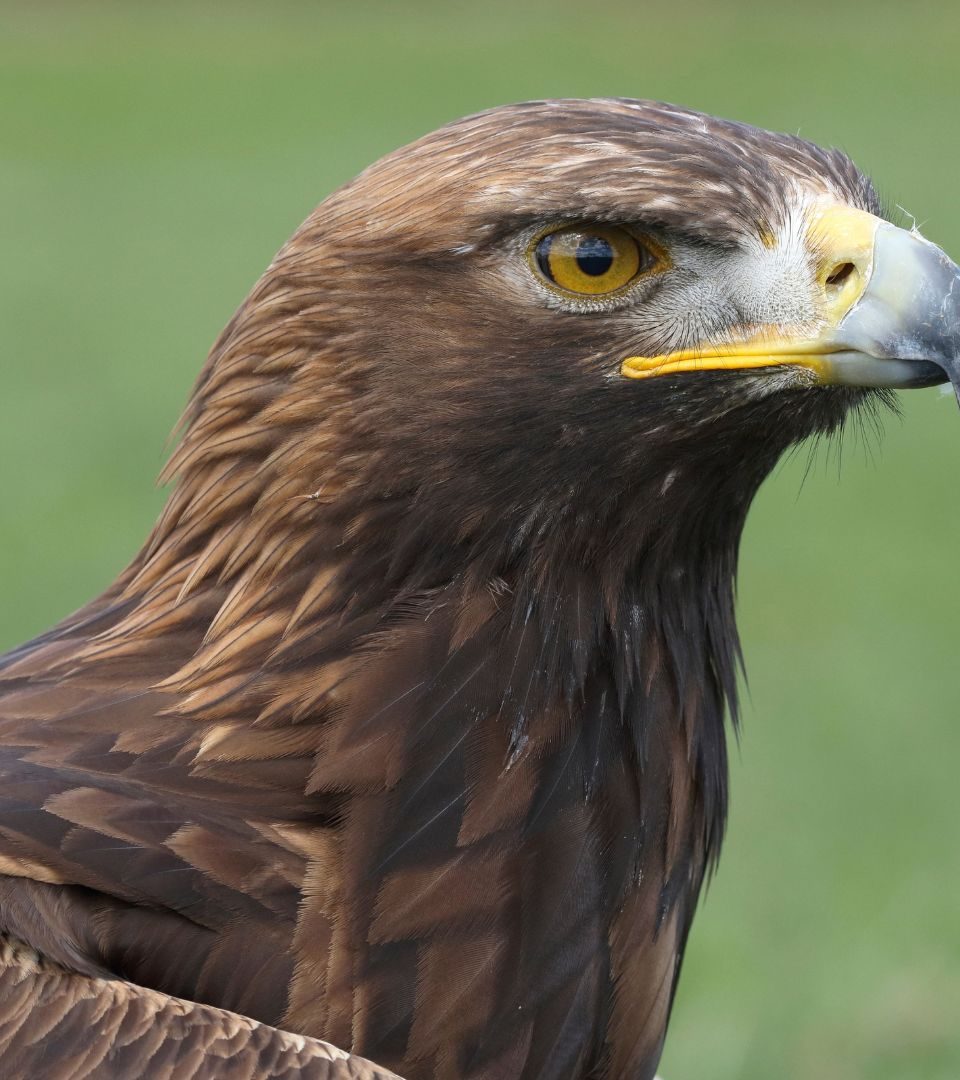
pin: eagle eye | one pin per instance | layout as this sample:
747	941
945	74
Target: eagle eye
591	260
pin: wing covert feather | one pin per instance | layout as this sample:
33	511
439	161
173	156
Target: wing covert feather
47	1014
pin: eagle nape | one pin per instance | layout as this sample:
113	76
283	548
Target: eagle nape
405	730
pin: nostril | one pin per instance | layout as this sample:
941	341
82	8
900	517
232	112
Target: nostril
840	274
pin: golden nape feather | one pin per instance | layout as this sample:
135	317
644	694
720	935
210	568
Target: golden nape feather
404	732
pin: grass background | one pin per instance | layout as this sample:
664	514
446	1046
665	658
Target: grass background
152	159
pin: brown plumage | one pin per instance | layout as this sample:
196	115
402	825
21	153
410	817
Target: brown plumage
404	730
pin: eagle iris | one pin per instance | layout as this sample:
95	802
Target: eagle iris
590	260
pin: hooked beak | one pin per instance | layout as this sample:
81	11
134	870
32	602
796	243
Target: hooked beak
891	314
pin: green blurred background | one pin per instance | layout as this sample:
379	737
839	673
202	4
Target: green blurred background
152	159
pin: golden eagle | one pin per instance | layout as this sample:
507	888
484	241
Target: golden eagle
405	729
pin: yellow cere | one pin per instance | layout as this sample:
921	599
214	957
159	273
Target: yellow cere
588	261
841	235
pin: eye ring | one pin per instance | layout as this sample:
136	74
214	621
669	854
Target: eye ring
592	260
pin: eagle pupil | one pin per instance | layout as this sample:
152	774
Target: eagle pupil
594	255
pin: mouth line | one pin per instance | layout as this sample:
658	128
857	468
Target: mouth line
831	365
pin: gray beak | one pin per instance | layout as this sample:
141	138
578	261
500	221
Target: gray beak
904	331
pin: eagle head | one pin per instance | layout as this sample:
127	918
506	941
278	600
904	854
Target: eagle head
573	329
